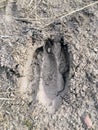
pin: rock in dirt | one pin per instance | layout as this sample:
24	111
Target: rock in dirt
87	121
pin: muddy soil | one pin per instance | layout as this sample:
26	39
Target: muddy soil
25	26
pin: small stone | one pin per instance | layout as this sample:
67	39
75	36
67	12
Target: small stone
49	50
88	121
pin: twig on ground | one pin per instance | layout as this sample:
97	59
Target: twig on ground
5	36
30	2
25	20
7	99
35	10
36	5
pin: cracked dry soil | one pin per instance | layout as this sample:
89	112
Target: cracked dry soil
22	41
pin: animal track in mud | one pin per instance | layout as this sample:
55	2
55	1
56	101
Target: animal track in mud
46	73
51	69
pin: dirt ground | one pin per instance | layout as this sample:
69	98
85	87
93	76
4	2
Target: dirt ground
24	26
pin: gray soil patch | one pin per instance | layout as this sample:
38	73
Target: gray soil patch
29	60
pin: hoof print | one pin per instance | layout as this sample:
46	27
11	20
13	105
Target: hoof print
53	74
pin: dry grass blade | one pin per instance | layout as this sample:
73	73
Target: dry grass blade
30	2
3	3
7	99
70	13
36	5
5	36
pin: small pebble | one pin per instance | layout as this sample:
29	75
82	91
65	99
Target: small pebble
88	121
49	50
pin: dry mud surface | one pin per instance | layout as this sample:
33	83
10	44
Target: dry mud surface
25	25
